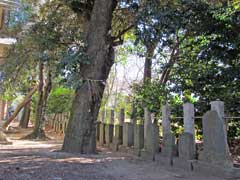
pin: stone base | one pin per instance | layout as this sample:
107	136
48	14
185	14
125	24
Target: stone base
191	166
169	147
198	167
186	146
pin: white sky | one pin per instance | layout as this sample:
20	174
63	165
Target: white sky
127	74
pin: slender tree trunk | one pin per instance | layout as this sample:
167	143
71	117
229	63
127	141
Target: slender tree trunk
26	100
43	93
147	76
26	116
173	58
148	62
80	135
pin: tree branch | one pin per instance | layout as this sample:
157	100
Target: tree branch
122	32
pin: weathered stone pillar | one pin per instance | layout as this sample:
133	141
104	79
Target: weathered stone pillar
216	150
166	123
128	134
156	138
118	130
189	118
169	140
151	141
138	136
102	129
147	125
219	107
109	129
169	145
187	146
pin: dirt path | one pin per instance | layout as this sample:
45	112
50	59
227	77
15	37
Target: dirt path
31	160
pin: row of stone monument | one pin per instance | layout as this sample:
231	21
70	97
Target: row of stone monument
144	138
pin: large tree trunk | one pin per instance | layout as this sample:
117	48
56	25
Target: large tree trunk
80	135
26	100
43	93
26	116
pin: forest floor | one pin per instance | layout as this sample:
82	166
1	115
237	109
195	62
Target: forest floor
41	160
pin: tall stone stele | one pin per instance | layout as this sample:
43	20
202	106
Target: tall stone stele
168	144
187	145
216	150
151	142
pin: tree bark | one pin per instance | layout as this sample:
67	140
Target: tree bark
80	134
148	62
43	94
173	58
26	116
26	100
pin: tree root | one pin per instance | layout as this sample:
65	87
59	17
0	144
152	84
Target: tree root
36	135
3	138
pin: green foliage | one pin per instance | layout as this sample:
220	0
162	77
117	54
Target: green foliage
209	66
234	130
150	95
60	100
206	65
70	65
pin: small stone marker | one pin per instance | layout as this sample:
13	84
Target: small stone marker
216	150
186	146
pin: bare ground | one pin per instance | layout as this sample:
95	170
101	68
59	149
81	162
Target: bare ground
40	160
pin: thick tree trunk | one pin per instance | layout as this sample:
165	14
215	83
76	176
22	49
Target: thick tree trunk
43	93
26	100
148	62
26	116
80	135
